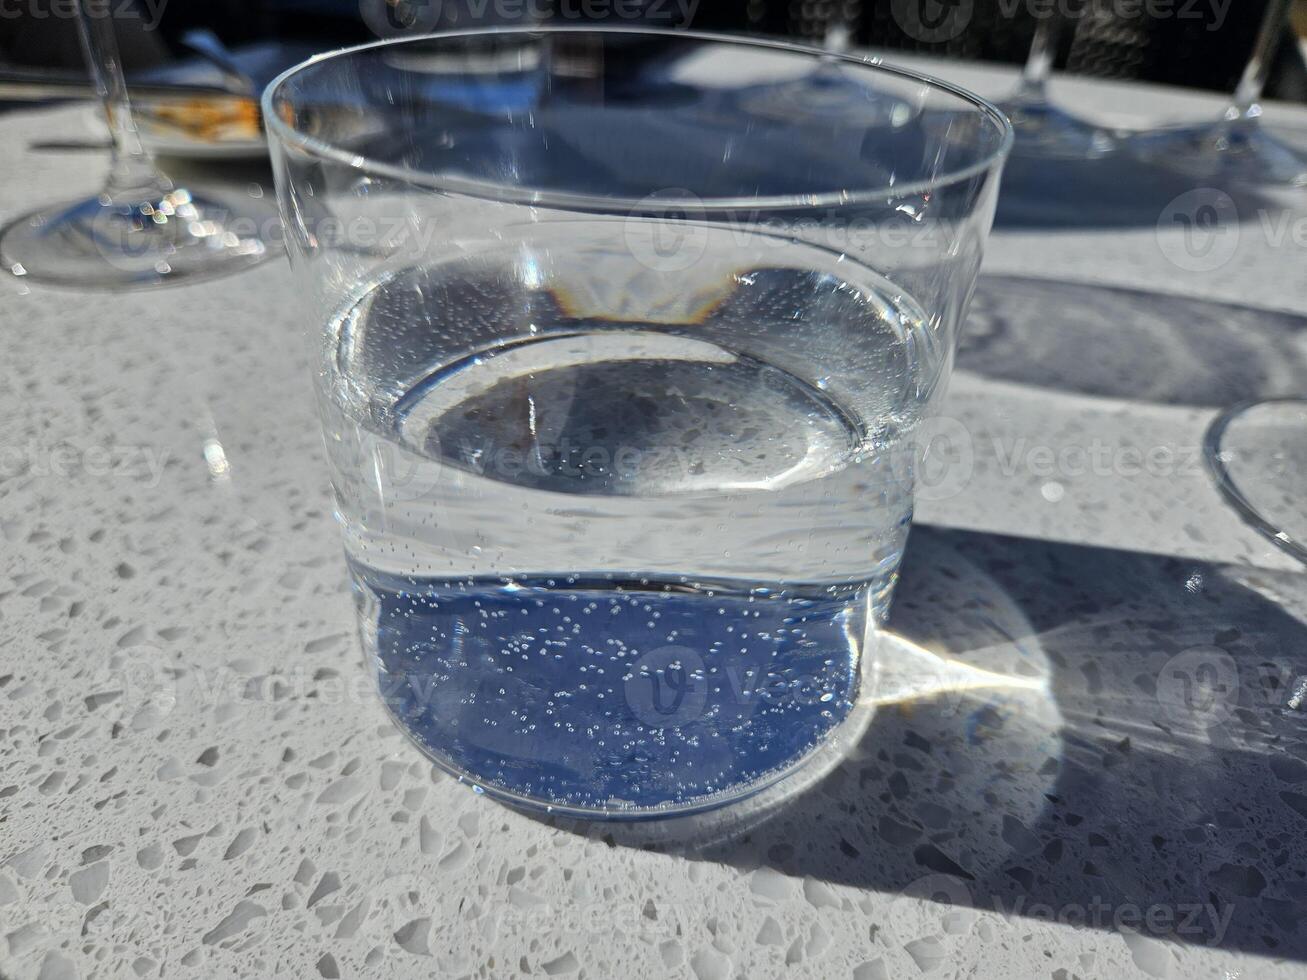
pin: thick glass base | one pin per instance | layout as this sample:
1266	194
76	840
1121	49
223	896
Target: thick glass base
1257	453
1043	130
99	242
570	700
733	807
1236	152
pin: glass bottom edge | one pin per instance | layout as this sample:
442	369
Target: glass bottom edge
767	791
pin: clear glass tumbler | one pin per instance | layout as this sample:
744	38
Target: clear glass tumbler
623	357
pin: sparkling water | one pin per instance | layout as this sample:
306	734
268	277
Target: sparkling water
616	549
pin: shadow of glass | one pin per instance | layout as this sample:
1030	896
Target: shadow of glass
1116	191
1139	764
1122	343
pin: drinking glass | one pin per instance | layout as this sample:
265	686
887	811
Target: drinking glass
141	229
1257	452
1236	148
1041	127
622	375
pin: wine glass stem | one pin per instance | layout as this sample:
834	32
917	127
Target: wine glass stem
1253	82
133	176
1039	64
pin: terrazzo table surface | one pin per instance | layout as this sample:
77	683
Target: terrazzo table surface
195	781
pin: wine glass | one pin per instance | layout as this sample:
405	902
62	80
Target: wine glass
1235	148
141	229
1041	128
1257	452
825	92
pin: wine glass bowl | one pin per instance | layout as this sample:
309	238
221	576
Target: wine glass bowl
1257	453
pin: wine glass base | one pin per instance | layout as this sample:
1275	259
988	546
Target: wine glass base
826	95
1043	130
1257	452
1239	152
97	242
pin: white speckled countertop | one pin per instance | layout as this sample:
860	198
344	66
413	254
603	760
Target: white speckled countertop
196	782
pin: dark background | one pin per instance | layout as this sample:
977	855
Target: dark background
1175	50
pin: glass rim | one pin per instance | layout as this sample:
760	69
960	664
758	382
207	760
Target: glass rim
656	203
